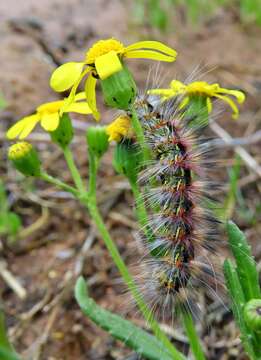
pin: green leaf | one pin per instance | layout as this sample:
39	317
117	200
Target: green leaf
6	349
10	223
7	355
131	335
194	340
246	266
237	304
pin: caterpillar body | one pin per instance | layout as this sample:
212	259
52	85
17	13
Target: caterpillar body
181	224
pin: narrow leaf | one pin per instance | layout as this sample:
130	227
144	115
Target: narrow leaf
131	335
246	266
6	349
237	304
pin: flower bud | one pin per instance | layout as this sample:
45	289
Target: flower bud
25	159
252	314
97	140
63	134
119	90
127	159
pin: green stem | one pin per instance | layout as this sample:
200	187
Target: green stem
140	135
194	341
60	184
73	169
141	210
93	167
91	204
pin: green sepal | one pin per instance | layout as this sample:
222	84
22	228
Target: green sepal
97	140
127	159
197	112
119	90
63	135
25	159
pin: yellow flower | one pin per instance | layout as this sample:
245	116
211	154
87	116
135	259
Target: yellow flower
201	88
48	115
119	128
102	60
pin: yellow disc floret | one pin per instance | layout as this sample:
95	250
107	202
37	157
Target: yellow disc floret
103	47
119	128
19	150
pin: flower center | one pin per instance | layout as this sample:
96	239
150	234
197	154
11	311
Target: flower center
19	150
103	47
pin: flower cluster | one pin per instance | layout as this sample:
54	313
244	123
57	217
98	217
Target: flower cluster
105	61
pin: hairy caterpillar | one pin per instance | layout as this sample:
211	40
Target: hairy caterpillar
183	227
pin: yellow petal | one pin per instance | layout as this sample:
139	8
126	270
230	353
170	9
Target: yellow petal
23	127
149	54
119	128
239	95
178	87
71	98
230	103
80	96
50	107
50	122
66	75
167	93
108	64
152	45
80	108
209	105
90	92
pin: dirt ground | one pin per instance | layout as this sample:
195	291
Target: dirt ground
35	38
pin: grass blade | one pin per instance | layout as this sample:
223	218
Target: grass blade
194	341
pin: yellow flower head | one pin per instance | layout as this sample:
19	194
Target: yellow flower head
48	115
201	88
102	60
119	128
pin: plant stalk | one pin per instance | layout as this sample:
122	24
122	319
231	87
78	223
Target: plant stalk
194	341
73	169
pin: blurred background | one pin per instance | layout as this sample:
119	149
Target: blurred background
46	236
